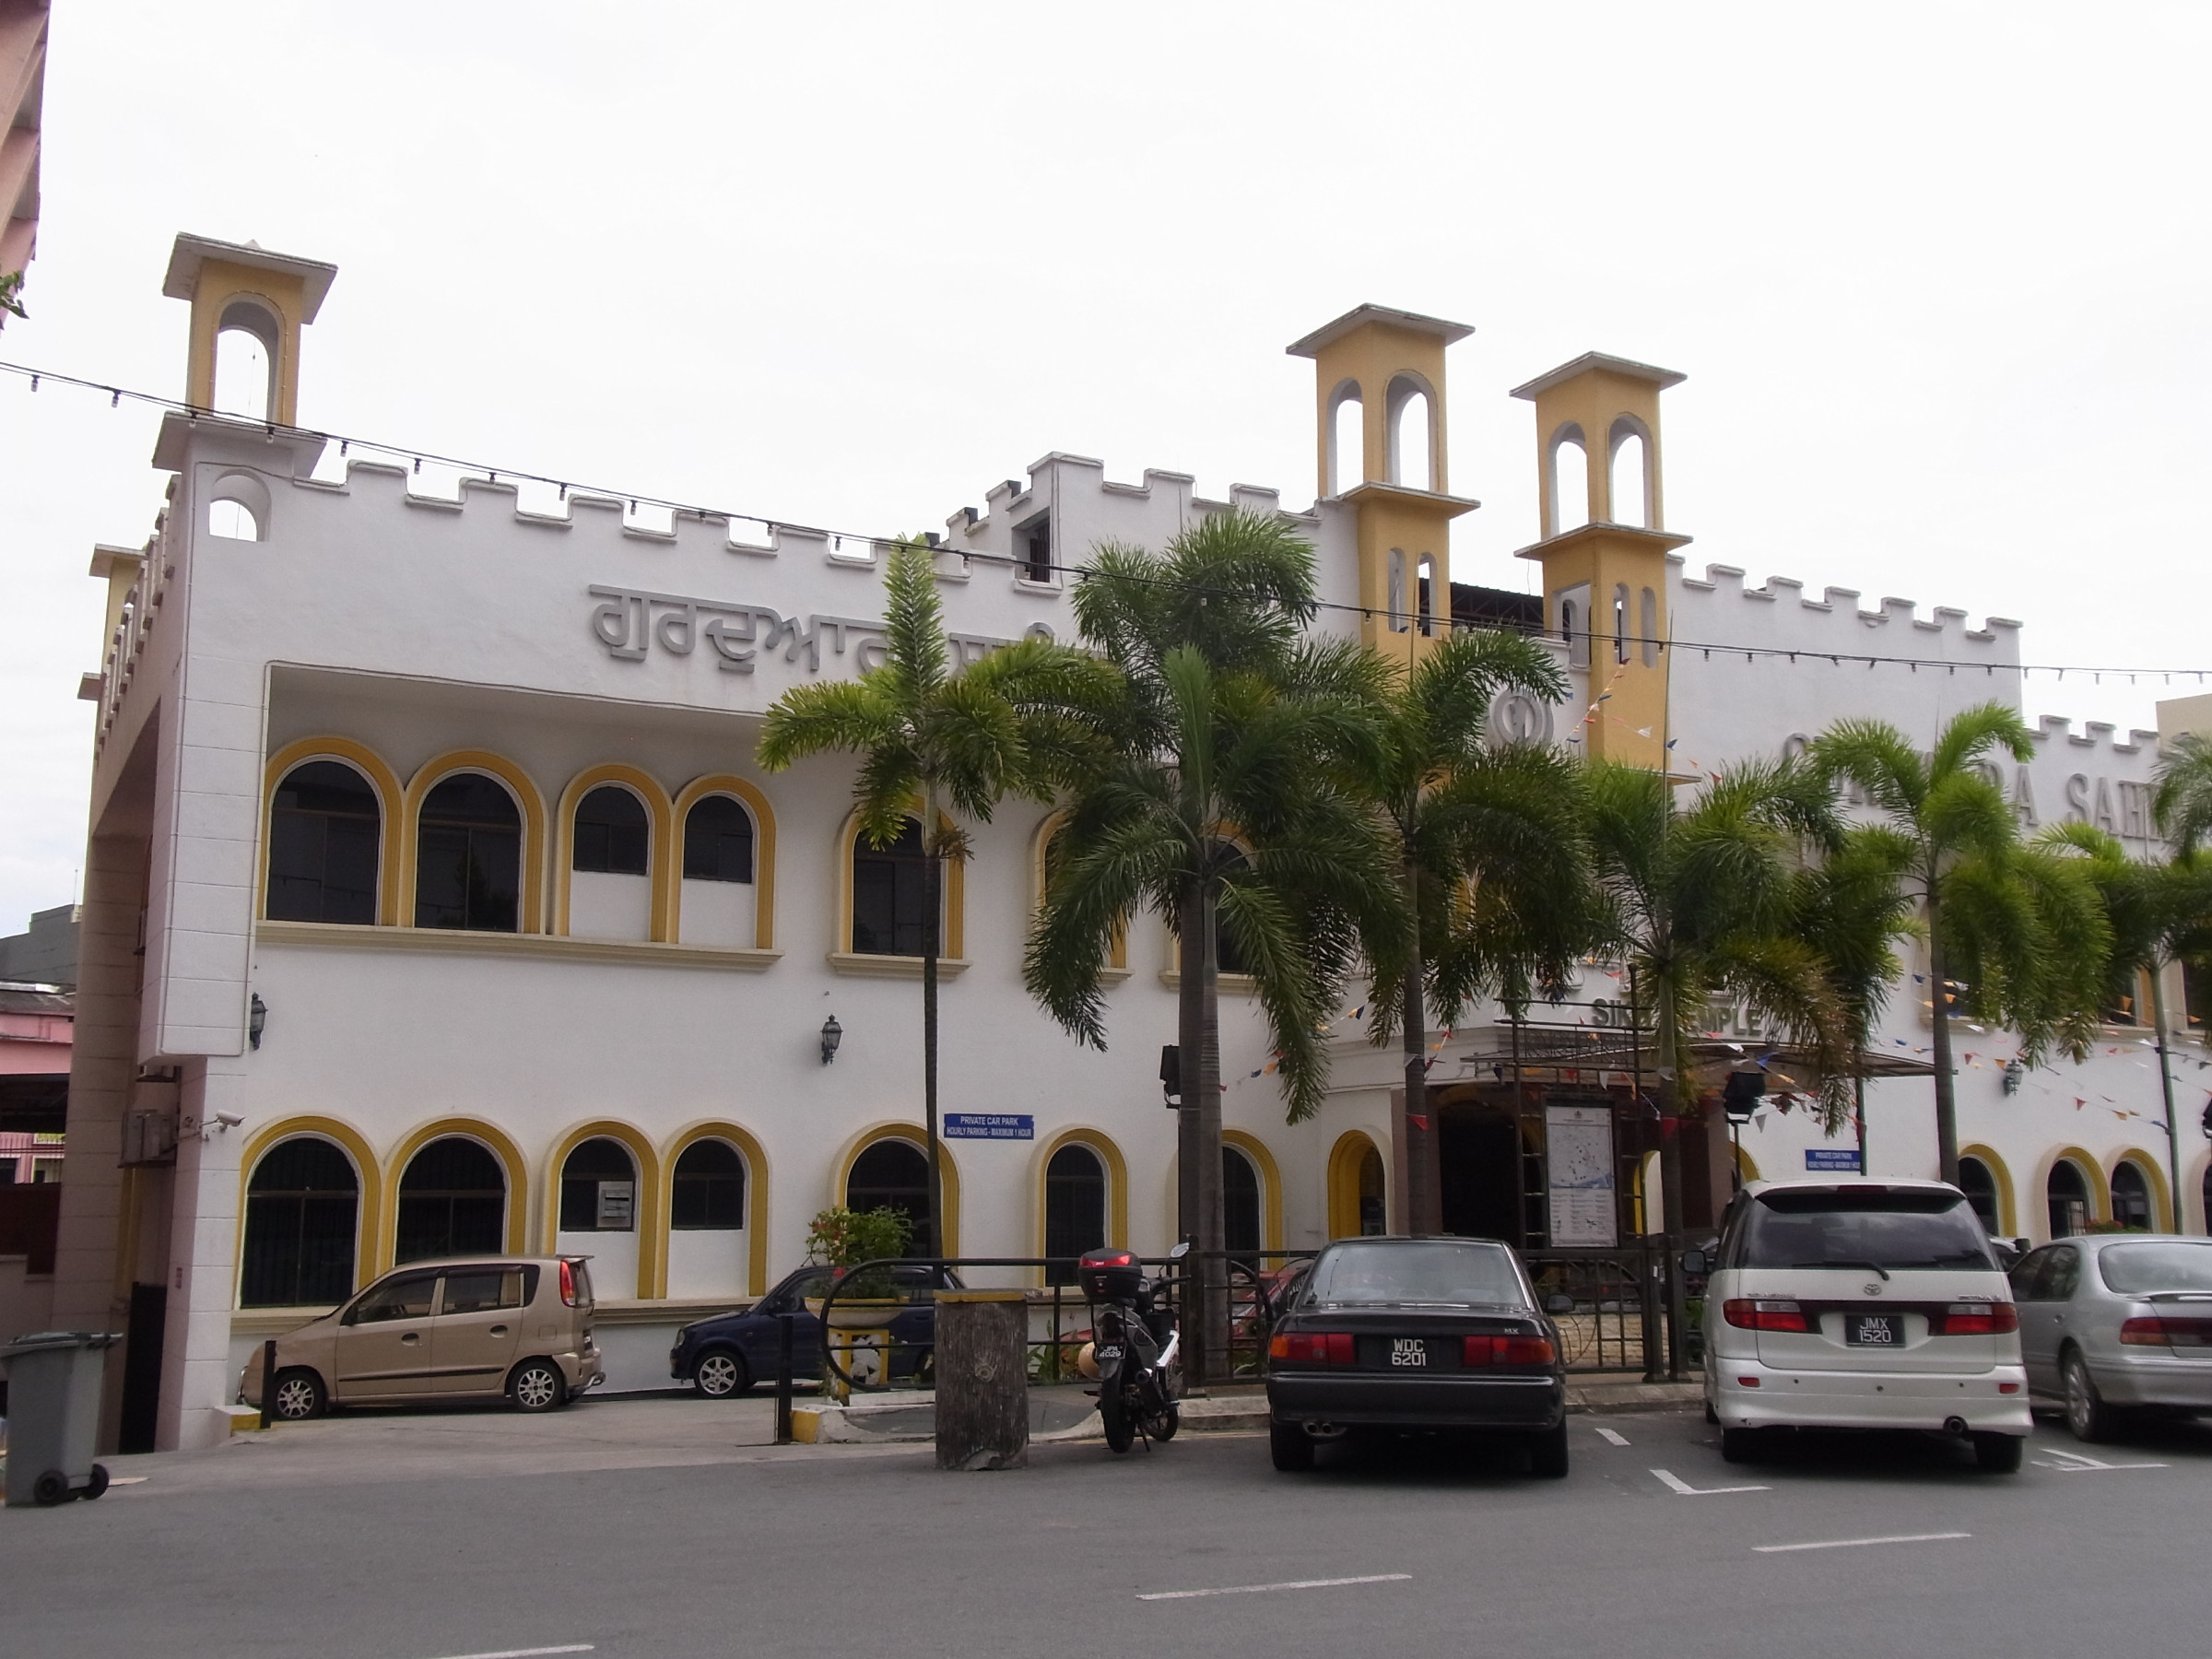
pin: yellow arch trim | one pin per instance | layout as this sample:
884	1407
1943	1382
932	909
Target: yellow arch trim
533	828
369	1201
915	1136
2092	1171
2161	1198
956	895
651	1200
1344	1158
390	797
1117	1183
764	853
500	1146
1271	1185
1746	1165
1117	954
2008	1213
756	1197
657	811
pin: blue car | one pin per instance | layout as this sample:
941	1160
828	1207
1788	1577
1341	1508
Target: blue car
729	1353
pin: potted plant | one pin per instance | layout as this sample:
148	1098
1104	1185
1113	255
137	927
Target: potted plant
866	1303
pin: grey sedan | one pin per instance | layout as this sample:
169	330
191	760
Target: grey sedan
2117	1322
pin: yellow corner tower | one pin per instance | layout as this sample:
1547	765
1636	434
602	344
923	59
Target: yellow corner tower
1379	390
1605	544
270	296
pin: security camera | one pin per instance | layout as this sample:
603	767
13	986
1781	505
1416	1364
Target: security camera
229	1120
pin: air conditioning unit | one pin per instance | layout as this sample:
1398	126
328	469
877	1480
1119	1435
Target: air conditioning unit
149	1124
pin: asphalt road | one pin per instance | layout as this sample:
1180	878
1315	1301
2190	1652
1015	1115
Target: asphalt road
870	1551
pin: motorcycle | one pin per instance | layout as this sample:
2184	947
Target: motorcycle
1134	1351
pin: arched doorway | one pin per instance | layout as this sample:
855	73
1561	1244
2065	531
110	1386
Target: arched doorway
1980	1185
892	1174
302	1211
1074	1209
2131	1196
453	1201
2066	1199
1240	1203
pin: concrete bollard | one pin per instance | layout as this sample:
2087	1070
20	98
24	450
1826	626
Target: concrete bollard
982	1379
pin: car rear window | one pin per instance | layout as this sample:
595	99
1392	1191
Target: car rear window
2143	1269
1864	1227
1405	1274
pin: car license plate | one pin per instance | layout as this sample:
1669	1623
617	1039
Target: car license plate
1872	1330
1408	1350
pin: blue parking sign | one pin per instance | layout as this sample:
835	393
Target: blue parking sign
1832	1161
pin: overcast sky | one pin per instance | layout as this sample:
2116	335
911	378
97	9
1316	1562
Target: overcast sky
1937	275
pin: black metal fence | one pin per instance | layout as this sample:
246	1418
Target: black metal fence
1610	1305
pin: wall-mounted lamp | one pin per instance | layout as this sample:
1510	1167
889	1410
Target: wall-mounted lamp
2014	1072
256	1018
833	1034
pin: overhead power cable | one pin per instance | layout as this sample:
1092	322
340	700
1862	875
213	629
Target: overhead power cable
1402	621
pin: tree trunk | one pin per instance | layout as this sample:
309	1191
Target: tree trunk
933	869
1424	1174
2174	1129
1675	1094
1200	1171
1946	1095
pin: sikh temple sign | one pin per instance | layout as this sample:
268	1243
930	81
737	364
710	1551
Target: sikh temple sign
629	622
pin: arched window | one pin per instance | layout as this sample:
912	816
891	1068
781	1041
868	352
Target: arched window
1620	622
2131	1196
1396	597
1074	1209
2068	1198
1570	483
1630	499
1411	451
887	895
1647	625
244	361
613	837
469	857
1576	622
1980	1186
1239	1202
1373	1216
718	896
1427	596
233	520
324	826
599	1188
453	1201
302	1208
708	1192
892	1174
1347	440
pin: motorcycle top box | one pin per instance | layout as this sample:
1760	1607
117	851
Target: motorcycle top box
1111	1275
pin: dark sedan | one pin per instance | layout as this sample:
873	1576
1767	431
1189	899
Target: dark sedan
1399	1335
727	1354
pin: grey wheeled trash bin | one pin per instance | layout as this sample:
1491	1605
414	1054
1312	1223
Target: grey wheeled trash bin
53	1381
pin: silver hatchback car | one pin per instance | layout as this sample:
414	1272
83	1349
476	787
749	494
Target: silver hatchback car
2115	1323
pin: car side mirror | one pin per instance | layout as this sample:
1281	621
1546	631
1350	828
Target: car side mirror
1693	1263
1558	1302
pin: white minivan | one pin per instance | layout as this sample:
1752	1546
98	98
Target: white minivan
1862	1304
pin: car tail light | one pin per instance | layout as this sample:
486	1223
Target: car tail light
1508	1350
1748	1381
1313	1348
1763	1314
568	1284
2167	1333
2008	1388
1974	1319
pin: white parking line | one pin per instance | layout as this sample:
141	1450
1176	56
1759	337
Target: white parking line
1856	1543
578	1647
1619	1439
1682	1488
1373	1578
2076	1463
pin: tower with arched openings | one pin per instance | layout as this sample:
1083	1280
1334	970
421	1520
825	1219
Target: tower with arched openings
242	289
1379	391
1604	543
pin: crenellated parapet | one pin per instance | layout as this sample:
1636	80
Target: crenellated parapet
1719	608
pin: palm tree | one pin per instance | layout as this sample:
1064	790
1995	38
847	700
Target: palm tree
931	740
2014	936
2160	914
2183	803
1486	843
1215	800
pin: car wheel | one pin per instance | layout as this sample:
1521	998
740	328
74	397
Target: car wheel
2087	1413
2000	1454
299	1395
537	1385
1547	1453
1742	1445
1290	1446
719	1373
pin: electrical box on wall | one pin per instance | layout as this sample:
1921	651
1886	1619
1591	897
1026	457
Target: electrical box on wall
149	1124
